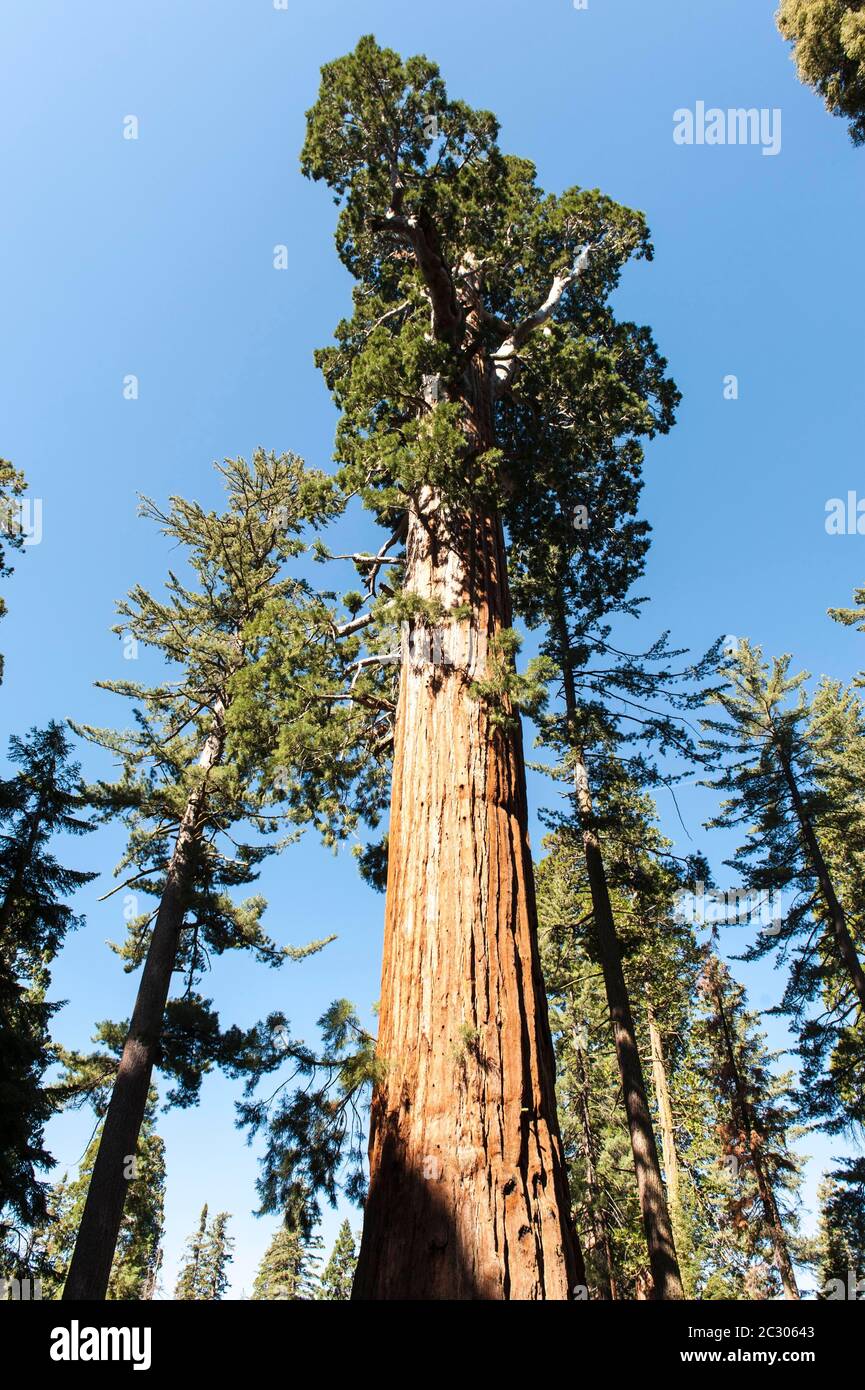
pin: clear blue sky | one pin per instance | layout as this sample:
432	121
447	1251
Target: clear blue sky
154	257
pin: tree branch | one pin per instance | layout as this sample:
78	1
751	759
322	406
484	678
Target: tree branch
506	358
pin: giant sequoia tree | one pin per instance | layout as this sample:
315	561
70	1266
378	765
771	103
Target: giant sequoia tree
479	299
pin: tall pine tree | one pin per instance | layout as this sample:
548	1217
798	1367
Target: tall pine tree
238	733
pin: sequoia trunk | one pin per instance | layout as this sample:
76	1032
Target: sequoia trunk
468	1193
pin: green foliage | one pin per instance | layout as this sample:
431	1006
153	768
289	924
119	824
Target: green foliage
189	1280
783	759
503	690
41	799
289	1268
315	1135
839	1248
338	1274
246	729
138	1256
661	961
483	365
203	1276
755	1114
828	38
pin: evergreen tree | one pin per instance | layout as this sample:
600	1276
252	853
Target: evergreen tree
315	1135
480	303
798	794
138	1257
763	1169
215	1259
828	38
203	1276
600	737
594	1125
832	1043
243	735
287	1272
839	1249
42	799
660	961
338	1274
189	1281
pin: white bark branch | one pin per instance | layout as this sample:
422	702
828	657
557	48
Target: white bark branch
506	358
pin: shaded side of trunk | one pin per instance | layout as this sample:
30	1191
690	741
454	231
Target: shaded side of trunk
113	1170
844	942
468	1192
754	1138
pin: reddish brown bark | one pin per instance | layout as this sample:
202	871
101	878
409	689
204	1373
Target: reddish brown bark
468	1193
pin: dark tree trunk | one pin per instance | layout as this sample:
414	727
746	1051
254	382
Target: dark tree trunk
650	1188
113	1170
754	1138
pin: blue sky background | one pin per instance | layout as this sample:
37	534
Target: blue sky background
155	257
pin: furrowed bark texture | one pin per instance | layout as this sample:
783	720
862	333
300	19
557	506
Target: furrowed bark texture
90	1267
468	1193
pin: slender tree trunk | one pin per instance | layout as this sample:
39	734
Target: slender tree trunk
468	1193
665	1112
650	1188
754	1140
90	1267
843	940
668	1131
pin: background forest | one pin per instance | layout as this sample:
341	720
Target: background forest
201	663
